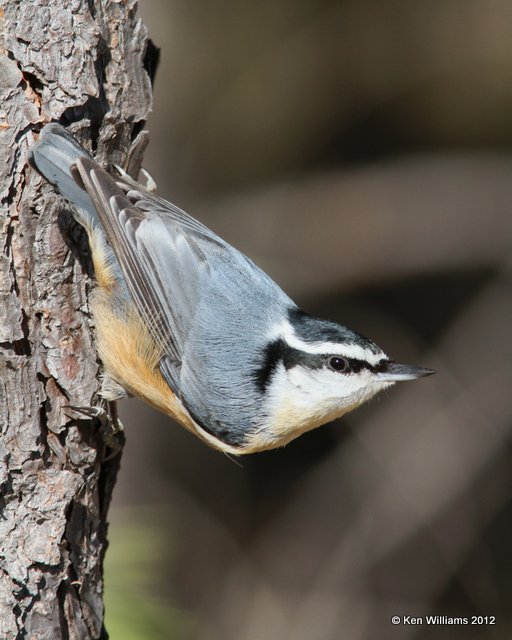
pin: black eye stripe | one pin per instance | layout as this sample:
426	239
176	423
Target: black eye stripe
357	365
279	353
353	365
271	357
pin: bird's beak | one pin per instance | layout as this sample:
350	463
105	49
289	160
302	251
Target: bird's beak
394	372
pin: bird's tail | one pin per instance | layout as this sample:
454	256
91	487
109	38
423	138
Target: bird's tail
54	156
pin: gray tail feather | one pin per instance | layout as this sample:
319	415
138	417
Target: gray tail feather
54	155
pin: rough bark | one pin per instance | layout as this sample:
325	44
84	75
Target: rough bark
87	63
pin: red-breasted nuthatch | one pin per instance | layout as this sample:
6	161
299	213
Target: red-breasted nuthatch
193	327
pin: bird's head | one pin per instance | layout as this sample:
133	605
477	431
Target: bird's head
315	370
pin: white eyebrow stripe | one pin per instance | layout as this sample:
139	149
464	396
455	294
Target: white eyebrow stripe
355	351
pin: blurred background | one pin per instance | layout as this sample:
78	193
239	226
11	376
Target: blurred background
360	151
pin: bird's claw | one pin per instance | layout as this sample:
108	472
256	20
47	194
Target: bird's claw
111	426
150	184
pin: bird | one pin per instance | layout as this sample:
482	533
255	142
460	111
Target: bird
193	327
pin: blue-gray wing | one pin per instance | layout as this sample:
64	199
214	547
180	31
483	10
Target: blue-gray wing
205	301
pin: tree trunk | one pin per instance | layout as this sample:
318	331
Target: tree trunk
87	63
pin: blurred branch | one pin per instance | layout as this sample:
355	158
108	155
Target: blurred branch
402	219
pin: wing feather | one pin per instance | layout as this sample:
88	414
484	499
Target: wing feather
158	247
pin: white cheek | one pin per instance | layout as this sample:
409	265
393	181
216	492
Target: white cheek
305	380
323	390
311	394
299	400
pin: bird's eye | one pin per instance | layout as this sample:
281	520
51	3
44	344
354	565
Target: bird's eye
338	364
